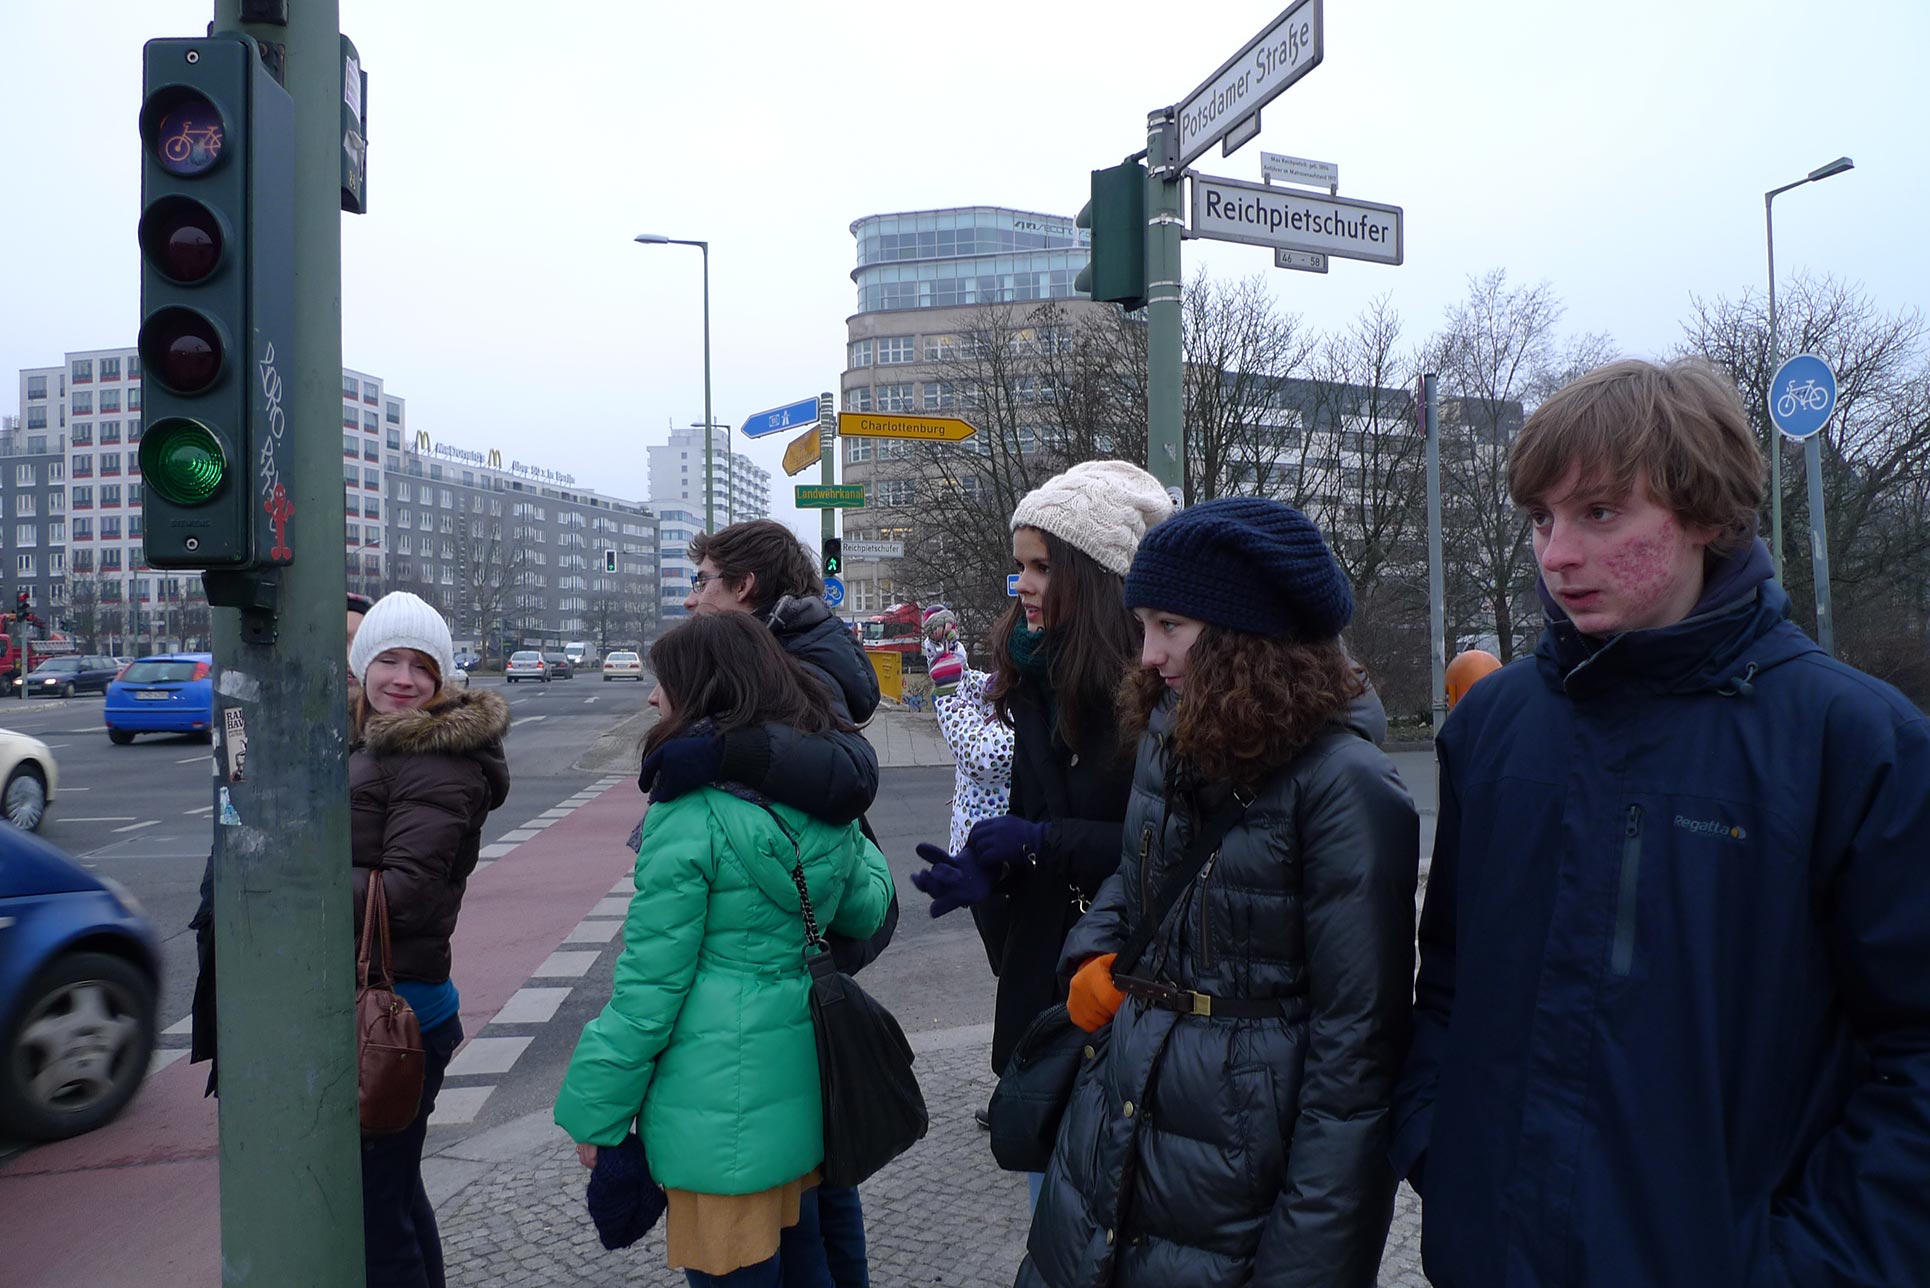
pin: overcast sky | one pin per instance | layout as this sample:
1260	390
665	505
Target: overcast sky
1619	152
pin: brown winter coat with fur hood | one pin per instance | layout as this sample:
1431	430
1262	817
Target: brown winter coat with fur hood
420	785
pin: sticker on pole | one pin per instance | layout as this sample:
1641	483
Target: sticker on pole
1802	396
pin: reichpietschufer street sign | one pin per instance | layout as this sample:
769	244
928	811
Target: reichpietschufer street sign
1285	50
1228	210
854	549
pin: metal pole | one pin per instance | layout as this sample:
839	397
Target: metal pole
291	1161
1775	358
710	433
1165	377
1819	542
828	461
1436	575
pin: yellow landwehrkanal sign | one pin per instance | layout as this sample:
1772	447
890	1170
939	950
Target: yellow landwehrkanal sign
802	451
932	429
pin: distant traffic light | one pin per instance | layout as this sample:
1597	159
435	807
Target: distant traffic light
23	605
833	557
217	329
1116	215
609	559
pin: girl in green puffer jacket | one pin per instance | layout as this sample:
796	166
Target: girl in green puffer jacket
707	1037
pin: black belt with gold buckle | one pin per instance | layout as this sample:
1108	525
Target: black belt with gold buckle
1191	1002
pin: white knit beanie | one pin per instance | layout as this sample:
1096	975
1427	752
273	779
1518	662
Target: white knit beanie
1101	507
402	620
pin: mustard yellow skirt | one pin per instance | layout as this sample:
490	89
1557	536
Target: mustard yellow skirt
719	1233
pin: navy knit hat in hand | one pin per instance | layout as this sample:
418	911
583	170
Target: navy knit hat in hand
1244	563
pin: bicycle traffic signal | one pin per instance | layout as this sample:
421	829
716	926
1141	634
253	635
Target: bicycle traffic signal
1116	215
217	323
833	557
609	559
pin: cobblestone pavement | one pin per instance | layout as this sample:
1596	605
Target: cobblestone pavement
941	1215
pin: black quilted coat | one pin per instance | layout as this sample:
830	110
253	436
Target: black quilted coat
1199	1152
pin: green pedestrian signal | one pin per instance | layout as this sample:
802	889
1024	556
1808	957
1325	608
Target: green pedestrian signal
609	559
1116	217
833	557
217	279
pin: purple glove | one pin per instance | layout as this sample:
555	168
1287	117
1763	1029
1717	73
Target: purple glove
682	765
954	880
1007	841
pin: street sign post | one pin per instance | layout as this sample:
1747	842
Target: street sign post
1307	261
874	549
1012	584
1229	210
1285	50
835	496
790	416
1277	167
931	429
1802	395
803	450
833	591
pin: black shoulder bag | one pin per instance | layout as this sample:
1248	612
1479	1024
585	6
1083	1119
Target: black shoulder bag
1037	1083
873	1108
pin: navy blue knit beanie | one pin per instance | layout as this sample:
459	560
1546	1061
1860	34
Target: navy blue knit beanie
1244	563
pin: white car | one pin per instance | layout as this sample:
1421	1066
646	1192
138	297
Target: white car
623	666
29	775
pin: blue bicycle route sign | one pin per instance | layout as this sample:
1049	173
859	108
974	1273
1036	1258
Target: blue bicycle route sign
1802	395
833	592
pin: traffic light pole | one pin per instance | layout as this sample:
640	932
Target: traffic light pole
827	459
1165	377
284	939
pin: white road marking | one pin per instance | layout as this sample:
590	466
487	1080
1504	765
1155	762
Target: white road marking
588	701
614	906
135	827
190	813
191	760
526	720
104	818
162	1059
180	1028
593	932
564	965
496	851
530	1006
459	1104
520	835
487	1055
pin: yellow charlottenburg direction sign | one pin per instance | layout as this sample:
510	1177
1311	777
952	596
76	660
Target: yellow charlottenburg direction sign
932	429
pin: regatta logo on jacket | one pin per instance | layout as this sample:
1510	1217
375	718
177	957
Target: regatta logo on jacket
1711	827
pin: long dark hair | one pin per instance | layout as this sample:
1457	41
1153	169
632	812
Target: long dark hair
1251	702
1094	639
729	669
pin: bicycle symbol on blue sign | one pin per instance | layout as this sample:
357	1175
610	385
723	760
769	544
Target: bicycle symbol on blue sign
1801	395
833	592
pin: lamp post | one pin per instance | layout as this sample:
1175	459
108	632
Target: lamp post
1813	449
658	239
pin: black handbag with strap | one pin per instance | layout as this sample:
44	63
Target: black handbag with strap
873	1108
1037	1082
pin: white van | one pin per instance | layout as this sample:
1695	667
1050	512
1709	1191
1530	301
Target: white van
579	653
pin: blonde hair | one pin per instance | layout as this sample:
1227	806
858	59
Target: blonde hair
1680	427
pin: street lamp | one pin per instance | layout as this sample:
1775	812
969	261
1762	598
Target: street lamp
1814	446
658	239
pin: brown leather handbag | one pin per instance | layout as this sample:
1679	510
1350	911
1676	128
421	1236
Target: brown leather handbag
388	1041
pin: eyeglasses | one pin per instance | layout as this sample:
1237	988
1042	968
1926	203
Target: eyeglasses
697	579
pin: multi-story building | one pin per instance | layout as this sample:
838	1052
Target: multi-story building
740	490
680	522
34	521
518	555
924	278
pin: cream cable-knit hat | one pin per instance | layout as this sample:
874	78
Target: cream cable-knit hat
1101	507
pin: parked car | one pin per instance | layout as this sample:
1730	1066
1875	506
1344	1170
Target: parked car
560	665
27	768
166	693
456	679
63	677
623	665
466	660
526	665
79	972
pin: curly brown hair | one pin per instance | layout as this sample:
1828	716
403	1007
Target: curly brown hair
1251	702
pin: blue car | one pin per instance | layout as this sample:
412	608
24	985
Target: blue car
80	971
166	693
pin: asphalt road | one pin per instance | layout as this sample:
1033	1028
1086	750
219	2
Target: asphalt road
143	813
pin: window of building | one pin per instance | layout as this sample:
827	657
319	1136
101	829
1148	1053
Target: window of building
81	402
82	436
110	369
82	497
861	353
36	387
134	398
372	479
110	400
350	387
111	562
894	491
82	370
110	430
858	399
392	412
83	561
133	462
393	440
404	490
134	494
370	452
110	527
83	529
36	444
370	392
56	503
24	565
349	475
894	398
26	534
24	505
372	507
57	567
56	472
111	463
25	475
37	417
939	395
349	418
370	423
897	348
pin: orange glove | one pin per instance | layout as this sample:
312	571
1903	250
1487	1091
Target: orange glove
1093	999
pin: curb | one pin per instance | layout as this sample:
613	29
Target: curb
616	751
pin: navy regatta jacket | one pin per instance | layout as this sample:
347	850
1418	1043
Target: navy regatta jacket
1672	1019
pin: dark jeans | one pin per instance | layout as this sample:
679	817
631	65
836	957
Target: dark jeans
799	1262
841	1218
402	1247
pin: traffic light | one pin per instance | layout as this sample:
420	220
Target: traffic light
609	559
1116	216
23	606
217	324
833	557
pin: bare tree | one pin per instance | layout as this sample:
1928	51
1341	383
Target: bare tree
84	619
1238	348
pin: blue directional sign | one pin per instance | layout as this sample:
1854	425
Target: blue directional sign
833	592
1802	395
779	419
1011	583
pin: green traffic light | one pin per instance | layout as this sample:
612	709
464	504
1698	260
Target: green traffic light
183	461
